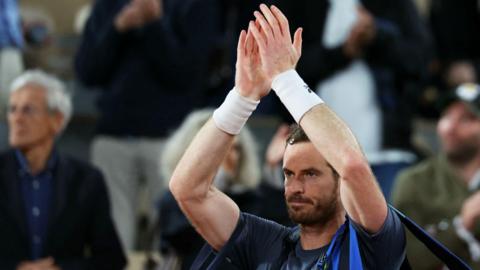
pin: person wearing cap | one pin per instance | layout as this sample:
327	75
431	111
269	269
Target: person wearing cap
442	193
54	210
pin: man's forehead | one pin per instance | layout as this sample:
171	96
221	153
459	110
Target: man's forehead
31	91
304	152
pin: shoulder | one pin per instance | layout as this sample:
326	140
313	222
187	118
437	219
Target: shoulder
384	249
6	153
6	158
264	226
258	233
77	164
392	227
418	175
80	171
256	241
424	167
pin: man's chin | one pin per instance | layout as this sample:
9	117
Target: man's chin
299	216
310	216
297	206
14	144
18	144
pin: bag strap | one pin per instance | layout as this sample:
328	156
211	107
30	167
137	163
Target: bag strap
451	260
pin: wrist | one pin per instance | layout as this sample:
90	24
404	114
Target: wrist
295	94
234	112
250	95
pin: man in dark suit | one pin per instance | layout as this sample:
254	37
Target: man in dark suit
54	210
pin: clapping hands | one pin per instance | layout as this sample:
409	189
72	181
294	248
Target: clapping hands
264	51
137	13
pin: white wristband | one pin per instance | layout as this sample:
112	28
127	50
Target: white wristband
232	115
294	93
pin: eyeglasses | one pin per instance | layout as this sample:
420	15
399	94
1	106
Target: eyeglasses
27	110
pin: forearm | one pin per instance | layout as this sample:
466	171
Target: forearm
211	212
332	137
334	140
360	193
193	176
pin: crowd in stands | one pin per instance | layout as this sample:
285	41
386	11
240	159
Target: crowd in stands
160	67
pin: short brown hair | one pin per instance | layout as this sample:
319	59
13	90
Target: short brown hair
297	135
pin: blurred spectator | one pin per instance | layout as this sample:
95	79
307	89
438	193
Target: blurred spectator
272	188
238	177
11	63
235	15
55	209
442	193
368	58
454	26
150	59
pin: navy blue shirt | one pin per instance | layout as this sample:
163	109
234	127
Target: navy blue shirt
258	243
36	194
153	76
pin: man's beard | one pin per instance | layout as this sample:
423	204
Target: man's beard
462	155
319	214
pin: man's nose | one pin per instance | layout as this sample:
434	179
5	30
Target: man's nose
295	185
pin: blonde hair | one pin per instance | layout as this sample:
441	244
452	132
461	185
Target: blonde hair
249	173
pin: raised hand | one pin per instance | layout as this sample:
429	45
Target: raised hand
129	17
470	212
276	148
361	35
151	9
272	35
250	79
137	13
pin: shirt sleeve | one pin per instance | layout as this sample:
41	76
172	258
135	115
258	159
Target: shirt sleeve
384	249
102	46
255	241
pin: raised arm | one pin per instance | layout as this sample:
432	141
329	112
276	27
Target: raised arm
360	193
212	213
